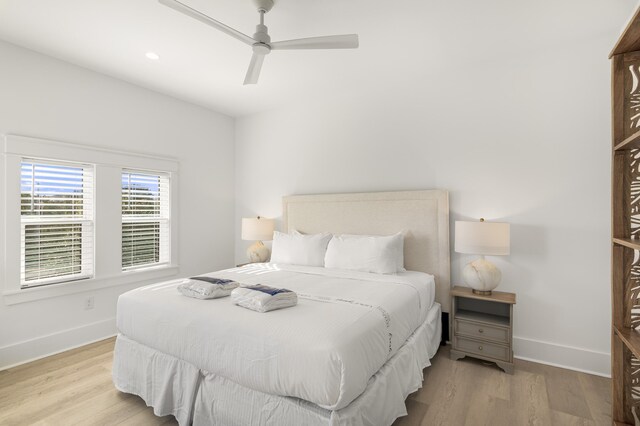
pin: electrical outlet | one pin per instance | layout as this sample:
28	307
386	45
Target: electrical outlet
89	303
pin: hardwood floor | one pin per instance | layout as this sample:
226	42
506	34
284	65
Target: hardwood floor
468	392
74	388
71	388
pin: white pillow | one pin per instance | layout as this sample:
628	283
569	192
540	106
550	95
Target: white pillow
299	249
397	243
367	253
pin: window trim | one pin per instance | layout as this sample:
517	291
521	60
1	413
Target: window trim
140	276
107	164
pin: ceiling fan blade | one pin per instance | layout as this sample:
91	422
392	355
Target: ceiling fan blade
254	69
347	41
183	8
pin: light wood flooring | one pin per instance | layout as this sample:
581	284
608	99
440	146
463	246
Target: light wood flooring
75	388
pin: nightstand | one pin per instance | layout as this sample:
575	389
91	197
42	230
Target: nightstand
482	326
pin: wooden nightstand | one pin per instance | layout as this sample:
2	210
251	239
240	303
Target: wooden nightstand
482	326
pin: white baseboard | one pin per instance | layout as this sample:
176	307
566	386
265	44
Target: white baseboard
572	358
51	344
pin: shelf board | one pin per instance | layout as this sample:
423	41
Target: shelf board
632	142
495	296
490	319
630	338
628	242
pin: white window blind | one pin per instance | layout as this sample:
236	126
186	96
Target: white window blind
56	212
145	219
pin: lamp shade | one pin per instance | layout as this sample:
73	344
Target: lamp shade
257	228
484	238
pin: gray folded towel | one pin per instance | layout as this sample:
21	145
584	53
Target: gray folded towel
262	298
207	287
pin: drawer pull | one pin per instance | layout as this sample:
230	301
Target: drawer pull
480	330
479	348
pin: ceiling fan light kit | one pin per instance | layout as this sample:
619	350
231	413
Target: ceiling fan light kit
261	41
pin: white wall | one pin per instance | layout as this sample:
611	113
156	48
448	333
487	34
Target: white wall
47	98
507	108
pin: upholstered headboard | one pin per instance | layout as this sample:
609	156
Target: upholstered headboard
422	215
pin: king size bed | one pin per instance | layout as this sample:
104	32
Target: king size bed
348	353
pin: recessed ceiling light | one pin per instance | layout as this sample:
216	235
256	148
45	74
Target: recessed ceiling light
152	55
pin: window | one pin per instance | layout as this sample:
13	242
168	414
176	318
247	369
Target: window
78	218
145	219
56	218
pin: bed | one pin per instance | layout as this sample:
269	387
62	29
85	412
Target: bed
348	354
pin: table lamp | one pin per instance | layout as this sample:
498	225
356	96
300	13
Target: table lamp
257	229
483	238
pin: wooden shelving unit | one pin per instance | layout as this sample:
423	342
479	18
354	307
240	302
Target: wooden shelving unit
625	226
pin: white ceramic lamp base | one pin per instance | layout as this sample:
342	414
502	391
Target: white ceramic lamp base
482	276
258	252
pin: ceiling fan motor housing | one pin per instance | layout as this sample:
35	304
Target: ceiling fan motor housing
262	34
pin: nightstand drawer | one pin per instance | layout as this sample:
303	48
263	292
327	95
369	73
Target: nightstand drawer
482	331
488	350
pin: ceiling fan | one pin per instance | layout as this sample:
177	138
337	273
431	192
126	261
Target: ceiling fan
261	42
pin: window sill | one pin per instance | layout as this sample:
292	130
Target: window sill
14	297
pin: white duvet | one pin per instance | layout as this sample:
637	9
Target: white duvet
323	350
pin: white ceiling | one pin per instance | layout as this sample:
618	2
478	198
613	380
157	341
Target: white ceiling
408	46
198	63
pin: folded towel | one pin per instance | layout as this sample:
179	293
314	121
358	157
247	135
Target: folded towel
262	298
207	287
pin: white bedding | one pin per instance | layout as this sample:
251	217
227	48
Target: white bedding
324	350
173	386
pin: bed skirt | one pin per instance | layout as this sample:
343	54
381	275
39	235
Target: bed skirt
172	386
